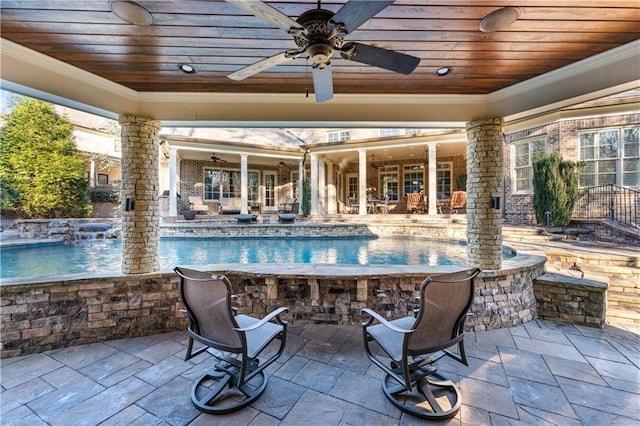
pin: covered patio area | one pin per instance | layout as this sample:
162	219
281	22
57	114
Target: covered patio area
537	373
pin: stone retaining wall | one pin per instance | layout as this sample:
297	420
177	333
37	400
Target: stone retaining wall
563	298
39	316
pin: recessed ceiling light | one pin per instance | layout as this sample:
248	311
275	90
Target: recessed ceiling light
131	12
187	69
500	19
442	71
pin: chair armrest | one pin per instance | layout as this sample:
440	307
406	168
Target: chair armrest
276	313
383	321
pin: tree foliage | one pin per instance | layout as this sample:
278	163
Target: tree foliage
41	171
555	189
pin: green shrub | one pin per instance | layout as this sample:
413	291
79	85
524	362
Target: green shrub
555	189
104	194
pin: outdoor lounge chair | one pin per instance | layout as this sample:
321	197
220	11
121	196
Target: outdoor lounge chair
414	203
195	203
414	344
236	341
288	206
458	201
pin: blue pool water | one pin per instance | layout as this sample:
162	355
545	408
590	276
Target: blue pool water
106	255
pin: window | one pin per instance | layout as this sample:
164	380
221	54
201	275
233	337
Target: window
524	154
413	178
388	183
254	186
611	156
397	132
339	136
352	186
270	189
227	183
443	180
219	182
103	179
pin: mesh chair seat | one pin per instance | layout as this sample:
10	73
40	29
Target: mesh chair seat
259	338
390	340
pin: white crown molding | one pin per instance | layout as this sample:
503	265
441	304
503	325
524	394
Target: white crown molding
42	61
604	59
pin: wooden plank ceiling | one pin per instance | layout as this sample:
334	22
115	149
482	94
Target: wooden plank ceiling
218	38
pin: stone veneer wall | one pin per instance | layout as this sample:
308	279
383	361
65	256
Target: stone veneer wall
40	316
37	317
140	145
484	223
566	299
562	138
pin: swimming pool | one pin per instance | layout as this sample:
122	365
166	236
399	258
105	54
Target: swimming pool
106	255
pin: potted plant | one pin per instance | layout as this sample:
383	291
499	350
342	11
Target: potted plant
189	214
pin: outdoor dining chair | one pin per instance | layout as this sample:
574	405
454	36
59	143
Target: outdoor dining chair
235	341
414	344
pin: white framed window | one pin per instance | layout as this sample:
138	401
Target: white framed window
610	156
443	180
339	136
413	178
397	132
388	182
226	183
522	155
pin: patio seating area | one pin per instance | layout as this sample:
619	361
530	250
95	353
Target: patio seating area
538	373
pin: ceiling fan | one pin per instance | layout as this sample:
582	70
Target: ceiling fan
318	33
217	159
282	164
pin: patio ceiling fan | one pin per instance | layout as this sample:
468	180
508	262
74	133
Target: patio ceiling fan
318	33
217	159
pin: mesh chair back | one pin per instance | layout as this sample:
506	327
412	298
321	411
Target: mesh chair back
444	303
207	300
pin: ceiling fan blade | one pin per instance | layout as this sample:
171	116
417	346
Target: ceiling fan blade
323	83
268	13
356	12
379	57
262	65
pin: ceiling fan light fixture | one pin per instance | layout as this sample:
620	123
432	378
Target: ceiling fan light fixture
187	69
131	12
442	71
499	19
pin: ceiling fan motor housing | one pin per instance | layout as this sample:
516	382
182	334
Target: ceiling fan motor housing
320	38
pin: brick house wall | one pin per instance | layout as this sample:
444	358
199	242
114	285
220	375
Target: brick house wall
562	138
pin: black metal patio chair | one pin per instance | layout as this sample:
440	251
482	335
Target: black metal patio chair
236	341
414	343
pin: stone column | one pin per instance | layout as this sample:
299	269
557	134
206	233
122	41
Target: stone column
485	180
140	217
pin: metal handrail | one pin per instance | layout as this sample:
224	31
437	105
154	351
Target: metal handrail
613	202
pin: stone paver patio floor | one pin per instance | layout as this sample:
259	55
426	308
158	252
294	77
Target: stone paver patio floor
540	373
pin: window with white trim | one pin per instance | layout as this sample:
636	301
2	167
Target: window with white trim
339	136
227	183
610	156
524	153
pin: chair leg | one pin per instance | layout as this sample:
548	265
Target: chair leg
216	392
